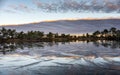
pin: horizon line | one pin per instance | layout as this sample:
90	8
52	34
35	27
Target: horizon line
67	19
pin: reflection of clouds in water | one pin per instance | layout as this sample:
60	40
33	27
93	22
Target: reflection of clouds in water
73	57
52	63
66	49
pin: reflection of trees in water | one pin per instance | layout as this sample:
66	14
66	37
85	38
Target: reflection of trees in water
111	44
9	47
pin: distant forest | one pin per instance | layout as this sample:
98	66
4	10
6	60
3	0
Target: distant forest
7	35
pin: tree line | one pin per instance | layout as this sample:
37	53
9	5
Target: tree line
111	34
13	35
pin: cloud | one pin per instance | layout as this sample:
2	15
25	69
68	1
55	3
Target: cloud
21	7
8	11
38	3
79	5
24	8
1	3
106	6
13	7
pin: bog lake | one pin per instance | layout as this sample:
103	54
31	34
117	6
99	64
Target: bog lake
60	58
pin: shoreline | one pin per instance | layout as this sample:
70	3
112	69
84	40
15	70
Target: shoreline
9	35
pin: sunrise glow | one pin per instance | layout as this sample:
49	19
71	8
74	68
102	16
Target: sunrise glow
16	12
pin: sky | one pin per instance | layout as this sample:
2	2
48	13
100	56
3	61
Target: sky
29	11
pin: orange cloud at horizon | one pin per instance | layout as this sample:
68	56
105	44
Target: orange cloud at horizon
67	19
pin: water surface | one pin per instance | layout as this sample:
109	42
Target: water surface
60	58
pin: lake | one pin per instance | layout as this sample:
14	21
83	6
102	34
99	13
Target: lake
60	58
